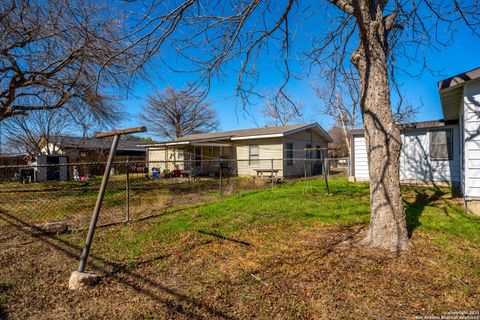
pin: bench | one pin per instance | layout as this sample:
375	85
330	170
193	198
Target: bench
261	172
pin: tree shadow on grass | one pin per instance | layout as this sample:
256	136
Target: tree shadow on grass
221	237
125	274
424	197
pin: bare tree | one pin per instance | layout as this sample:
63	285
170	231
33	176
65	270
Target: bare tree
380	37
174	113
340	96
61	53
280	110
339	145
39	130
341	101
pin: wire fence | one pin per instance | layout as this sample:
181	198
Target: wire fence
140	189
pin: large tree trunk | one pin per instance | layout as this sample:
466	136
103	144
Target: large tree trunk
387	224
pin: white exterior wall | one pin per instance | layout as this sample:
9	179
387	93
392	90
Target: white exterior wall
268	149
360	158
471	118
415	162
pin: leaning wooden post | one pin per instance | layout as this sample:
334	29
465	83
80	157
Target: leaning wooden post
79	278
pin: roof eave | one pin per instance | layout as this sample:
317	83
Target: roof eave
259	136
309	126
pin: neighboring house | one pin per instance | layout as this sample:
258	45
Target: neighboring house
14	159
9	163
445	151
244	152
79	149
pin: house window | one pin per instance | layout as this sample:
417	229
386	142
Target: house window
84	153
289	149
253	154
318	155
225	151
441	144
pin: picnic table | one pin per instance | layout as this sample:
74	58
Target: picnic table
273	172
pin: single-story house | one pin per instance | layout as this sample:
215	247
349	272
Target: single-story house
79	149
445	151
244	152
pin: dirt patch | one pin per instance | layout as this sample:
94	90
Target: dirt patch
317	272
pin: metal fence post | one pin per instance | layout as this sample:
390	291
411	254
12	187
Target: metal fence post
127	192
271	174
221	178
325	173
98	205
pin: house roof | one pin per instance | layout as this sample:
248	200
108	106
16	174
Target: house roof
13	155
102	144
413	125
244	134
459	79
451	92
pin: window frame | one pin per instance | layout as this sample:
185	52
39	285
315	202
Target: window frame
289	154
449	141
253	161
318	154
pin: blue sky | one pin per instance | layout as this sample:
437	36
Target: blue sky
459	56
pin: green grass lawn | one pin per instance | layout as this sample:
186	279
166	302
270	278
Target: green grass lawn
297	205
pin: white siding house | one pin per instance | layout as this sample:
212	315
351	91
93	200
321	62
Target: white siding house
471	136
417	164
445	151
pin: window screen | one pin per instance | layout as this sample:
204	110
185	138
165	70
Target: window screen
289	149
441	144
253	154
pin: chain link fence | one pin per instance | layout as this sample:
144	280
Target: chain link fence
137	190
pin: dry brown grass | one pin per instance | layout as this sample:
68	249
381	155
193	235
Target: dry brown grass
313	273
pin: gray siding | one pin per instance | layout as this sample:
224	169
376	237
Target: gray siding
299	142
471	114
